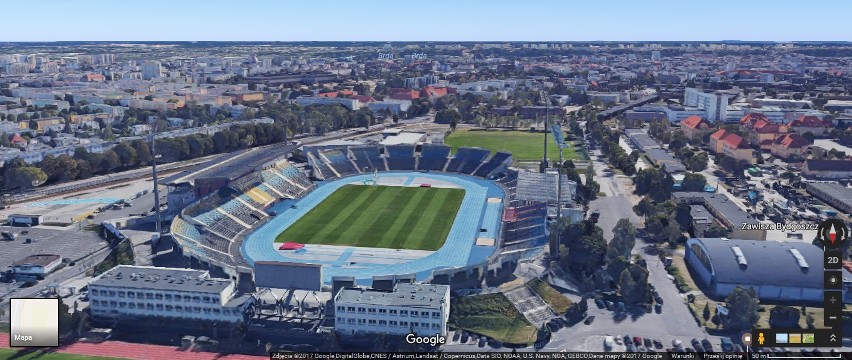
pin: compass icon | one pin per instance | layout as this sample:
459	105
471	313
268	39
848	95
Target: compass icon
832	233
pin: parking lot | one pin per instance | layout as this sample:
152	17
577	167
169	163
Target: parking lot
71	244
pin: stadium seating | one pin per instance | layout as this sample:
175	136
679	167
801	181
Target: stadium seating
338	160
368	158
433	157
493	164
291	172
467	160
239	210
400	157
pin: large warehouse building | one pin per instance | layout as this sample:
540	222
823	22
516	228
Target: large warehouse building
778	271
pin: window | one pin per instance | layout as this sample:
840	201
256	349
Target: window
196	310
159	307
149	296
122	304
371	322
371	311
178	308
350	309
121	294
217	311
383	311
169	308
393	323
131	295
383	323
403	313
341	308
339	320
436	314
169	297
158	296
403	323
393	311
94	291
112	293
350	321
96	302
113	304
414	313
132	305
361	310
362	321
140	295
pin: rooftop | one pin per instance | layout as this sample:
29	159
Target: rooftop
408	295
834	190
758	262
722	204
38	260
154	278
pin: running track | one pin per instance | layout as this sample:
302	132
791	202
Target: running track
118	349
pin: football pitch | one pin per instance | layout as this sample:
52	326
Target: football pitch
392	217
524	145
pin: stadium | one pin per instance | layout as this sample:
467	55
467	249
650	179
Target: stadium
357	214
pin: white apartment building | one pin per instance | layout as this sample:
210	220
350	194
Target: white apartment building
715	106
151	69
129	292
422	309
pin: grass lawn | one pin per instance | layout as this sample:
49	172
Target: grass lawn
492	315
524	145
40	355
558	302
392	217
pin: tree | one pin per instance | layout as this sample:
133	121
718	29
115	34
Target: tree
143	152
694	182
673	233
623	240
716	231
742	304
67	167
109	161
447	116
106	133
809	136
633	284
25	177
654	227
784	317
706	312
126	154
645	207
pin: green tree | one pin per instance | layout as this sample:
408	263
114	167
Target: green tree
633	284
109	161
447	116
126	154
673	233
694	182
706	312
143	152
742	304
623	240
67	167
25	177
784	317
106	133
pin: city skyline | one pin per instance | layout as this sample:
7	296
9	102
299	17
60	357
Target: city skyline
255	20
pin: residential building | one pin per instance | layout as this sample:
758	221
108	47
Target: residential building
732	145
761	131
694	127
350	104
790	147
132	292
809	124
151	70
423	309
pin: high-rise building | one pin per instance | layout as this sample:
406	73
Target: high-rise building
17	69
715	106
151	69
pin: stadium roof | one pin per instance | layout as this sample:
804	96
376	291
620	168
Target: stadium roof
793	264
236	164
403	138
408	295
153	278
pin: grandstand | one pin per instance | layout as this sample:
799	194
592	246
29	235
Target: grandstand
208	228
400	157
524	227
368	158
467	160
433	157
495	165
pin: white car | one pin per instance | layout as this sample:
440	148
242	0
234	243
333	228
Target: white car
608	343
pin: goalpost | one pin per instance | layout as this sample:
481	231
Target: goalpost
372	181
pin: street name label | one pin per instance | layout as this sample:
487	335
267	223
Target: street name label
35	322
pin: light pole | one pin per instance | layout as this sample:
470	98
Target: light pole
154	175
546	129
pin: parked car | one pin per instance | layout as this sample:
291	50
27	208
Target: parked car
647	342
608	343
707	345
589	320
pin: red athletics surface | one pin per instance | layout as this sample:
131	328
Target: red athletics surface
119	349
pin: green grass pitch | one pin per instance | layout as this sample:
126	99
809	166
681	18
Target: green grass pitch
392	217
524	145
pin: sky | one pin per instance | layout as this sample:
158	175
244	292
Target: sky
430	20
